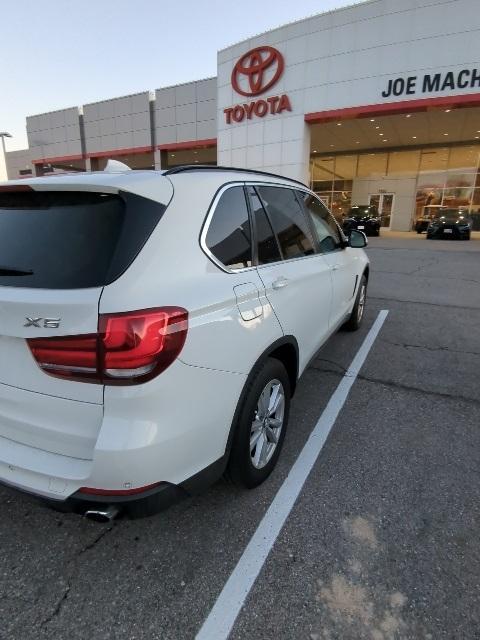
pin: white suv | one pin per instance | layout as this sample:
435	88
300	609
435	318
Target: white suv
153	326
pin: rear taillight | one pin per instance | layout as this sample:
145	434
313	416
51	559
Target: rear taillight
129	348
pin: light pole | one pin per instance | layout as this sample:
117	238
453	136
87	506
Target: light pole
3	135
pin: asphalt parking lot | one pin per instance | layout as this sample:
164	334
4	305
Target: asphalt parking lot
383	540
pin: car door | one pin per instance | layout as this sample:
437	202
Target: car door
296	276
342	260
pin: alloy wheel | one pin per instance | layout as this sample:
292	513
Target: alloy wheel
267	424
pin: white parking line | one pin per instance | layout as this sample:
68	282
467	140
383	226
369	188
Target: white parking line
222	617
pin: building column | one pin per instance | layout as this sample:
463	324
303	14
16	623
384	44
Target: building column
88	164
157	155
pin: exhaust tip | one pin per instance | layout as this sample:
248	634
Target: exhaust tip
102	515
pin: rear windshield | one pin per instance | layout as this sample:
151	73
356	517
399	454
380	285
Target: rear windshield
70	239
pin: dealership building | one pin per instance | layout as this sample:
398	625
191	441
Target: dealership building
377	103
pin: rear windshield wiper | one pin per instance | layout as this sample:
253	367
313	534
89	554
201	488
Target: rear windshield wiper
12	271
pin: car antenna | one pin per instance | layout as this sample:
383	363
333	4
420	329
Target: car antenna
115	166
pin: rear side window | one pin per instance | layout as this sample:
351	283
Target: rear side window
228	237
325	226
288	221
71	239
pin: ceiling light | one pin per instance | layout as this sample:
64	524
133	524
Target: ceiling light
377	127
380	134
409	115
372	119
447	110
357	142
332	145
384	140
414	137
315	151
339	124
477	137
445	134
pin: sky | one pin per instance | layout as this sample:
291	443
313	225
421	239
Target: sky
64	53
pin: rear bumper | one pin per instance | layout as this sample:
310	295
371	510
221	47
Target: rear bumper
149	435
141	503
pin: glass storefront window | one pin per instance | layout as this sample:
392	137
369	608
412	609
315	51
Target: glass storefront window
345	167
460	179
457	197
372	165
341	203
429	192
402	163
463	158
446	176
323	169
322	185
342	185
434	159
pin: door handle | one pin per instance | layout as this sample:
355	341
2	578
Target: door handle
280	283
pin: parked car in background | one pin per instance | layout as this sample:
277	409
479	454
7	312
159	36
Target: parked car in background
429	213
364	218
422	223
450	224
154	326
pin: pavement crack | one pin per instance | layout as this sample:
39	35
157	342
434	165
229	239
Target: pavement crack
428	304
95	541
426	277
69	580
407	345
58	607
398	385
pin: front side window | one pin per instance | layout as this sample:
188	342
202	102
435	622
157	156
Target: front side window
288	221
325	226
228	237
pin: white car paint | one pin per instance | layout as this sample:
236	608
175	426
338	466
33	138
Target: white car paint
59	435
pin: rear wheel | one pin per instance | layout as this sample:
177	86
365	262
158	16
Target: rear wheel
261	426
356	317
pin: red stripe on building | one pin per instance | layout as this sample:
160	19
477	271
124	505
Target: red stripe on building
119	152
191	144
57	159
393	108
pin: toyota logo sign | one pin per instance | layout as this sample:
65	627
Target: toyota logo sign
257	70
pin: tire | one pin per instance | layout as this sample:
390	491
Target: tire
356	317
249	465
419	231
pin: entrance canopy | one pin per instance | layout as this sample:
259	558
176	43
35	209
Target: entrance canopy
374	128
402	159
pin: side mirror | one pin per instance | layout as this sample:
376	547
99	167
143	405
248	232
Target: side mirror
357	239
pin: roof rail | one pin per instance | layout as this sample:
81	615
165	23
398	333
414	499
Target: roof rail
213	167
